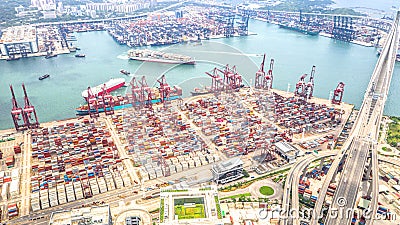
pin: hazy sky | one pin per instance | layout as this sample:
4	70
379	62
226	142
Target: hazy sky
375	4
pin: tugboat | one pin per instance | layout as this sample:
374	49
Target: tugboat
12	58
44	76
50	56
125	72
80	55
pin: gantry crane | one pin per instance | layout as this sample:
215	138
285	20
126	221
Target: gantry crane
264	80
93	106
338	94
260	74
165	89
16	112
232	79
310	85
305	90
108	101
28	110
136	92
300	86
217	83
146	93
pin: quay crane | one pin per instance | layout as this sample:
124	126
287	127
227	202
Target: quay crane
217	83
260	74
92	104
310	85
300	86
108	101
269	78
264	80
136	92
232	79
338	94
27	112
305	90
16	112
145	90
165	89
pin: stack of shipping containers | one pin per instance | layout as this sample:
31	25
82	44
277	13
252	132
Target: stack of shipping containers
67	161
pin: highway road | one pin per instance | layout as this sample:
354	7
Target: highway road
292	185
363	140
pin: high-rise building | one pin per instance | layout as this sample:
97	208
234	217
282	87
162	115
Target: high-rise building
44	4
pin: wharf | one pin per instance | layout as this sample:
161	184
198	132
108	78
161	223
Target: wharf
64	162
33	41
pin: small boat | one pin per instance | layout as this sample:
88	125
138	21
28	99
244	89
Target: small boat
203	91
12	58
80	55
50	56
125	72
44	76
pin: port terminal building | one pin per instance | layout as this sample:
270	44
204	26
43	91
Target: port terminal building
100	215
287	151
227	171
19	40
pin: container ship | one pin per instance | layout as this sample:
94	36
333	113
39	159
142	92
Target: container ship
111	85
122	102
299	28
160	57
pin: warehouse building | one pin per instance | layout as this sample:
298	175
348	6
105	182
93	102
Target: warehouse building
286	151
88	215
227	171
19	40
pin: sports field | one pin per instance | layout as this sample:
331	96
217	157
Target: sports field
189	208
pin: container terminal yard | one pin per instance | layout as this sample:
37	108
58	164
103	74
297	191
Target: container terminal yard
170	142
170	160
118	162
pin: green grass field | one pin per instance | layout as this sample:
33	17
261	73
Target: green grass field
393	134
266	190
189	212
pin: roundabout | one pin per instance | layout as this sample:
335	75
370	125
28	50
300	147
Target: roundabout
266	189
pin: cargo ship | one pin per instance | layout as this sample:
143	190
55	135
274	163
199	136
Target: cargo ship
123	102
159	57
299	28
111	85
202	91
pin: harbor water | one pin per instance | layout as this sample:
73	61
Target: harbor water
294	53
